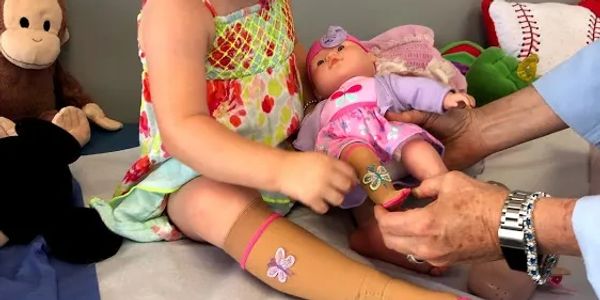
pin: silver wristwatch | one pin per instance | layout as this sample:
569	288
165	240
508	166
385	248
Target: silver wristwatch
512	230
518	240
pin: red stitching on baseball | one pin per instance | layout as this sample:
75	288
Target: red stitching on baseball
593	33
531	35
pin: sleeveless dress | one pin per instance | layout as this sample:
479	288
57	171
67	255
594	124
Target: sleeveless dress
253	88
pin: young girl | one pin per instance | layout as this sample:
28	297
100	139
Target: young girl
221	94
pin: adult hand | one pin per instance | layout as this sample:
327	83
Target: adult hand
460	226
458	130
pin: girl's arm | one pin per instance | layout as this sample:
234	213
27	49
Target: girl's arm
175	36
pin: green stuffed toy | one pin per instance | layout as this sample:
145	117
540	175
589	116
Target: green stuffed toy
494	74
491	73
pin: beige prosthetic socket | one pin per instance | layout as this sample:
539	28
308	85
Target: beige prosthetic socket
292	260
373	176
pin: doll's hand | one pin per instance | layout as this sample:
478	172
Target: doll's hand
7	127
96	115
315	179
458	100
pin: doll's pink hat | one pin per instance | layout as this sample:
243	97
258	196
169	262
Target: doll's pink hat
334	37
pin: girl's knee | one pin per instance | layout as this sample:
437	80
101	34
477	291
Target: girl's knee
205	210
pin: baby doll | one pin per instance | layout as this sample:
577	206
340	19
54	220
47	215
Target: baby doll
349	123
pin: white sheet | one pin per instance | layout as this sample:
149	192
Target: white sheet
184	270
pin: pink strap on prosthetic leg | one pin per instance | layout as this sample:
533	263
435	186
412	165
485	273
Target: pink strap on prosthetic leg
261	229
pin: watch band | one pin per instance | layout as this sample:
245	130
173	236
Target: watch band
512	230
539	267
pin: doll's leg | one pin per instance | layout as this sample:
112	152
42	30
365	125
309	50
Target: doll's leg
421	159
496	281
277	251
367	241
373	176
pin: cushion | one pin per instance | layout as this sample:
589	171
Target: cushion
553	31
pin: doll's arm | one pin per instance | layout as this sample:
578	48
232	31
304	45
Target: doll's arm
400	93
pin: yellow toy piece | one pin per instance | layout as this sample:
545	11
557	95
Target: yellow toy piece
527	68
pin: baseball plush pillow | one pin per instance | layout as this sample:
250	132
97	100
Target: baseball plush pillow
553	31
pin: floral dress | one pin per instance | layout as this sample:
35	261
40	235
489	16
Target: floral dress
253	88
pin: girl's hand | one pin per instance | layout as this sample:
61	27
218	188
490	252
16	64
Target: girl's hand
315	179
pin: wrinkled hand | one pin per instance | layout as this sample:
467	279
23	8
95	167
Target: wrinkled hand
315	179
458	130
460	226
7	127
96	115
458	100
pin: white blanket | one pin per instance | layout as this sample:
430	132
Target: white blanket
184	270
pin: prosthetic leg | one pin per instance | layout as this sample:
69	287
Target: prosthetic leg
292	260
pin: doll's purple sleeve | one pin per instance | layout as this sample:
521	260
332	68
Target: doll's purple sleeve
401	93
309	128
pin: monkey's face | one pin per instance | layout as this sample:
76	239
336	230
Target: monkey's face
31	39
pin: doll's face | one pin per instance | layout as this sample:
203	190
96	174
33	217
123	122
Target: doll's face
332	67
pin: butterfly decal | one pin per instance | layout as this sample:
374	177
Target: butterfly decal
376	176
279	266
348	96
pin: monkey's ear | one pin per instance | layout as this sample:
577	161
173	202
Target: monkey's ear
65	36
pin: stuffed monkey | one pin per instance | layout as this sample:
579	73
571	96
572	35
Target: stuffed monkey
32	81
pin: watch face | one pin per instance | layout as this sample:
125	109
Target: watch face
515	258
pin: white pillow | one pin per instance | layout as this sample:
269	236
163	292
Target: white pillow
554	31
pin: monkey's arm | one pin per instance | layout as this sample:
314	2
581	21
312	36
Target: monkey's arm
70	93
